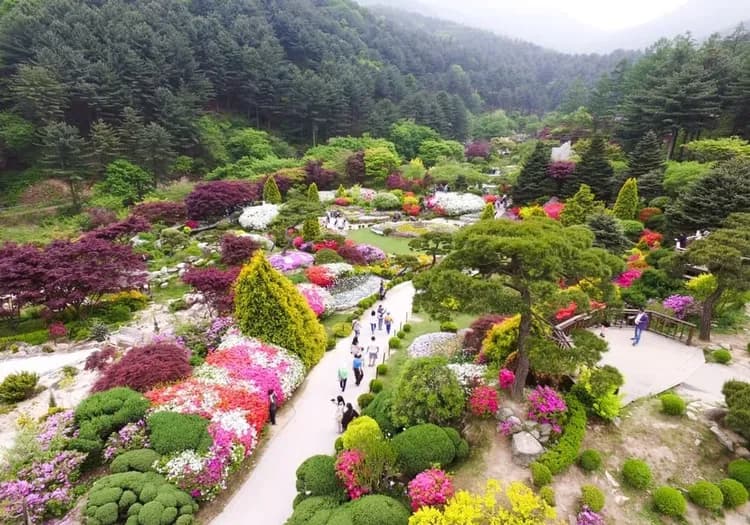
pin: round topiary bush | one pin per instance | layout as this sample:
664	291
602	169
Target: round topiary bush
315	509
376	386
592	497
707	495
669	501
316	476
672	404
407	328
140	460
636	473
540	474
395	342
739	469
326	256
590	460
721	356
735	494
382	369
365	399
547	494
378	510
18	387
173	432
401	334
448	326
419	447
360	432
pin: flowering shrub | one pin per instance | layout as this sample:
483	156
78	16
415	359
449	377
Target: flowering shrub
411	209
483	401
506	378
651	239
646	213
347	465
566	313
317	297
636	260
490	199
320	276
430	488
437	343
478	331
456	203
330	244
588	517
191	225
626	278
546	406
56	430
370	253
57	330
679	304
290	261
468	374
258	217
553	209
351	254
130	437
342	201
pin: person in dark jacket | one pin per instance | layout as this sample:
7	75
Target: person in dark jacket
349	416
641	324
272	406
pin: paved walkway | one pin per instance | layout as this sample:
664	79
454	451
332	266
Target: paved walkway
305	427
655	365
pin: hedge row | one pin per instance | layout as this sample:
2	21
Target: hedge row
565	452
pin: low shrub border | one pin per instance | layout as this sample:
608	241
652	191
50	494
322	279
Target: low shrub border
565	452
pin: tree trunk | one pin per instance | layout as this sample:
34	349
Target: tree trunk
524	330
707	313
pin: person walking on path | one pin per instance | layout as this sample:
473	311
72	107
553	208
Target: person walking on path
343	374
357	366
356	327
355	349
381	291
373	321
641	323
339	414
381	316
272	406
372	352
388	323
349	415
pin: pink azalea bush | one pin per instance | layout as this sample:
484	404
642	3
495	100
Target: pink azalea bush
546	407
318	298
506	378
290	261
626	278
553	209
430	488
347	464
483	401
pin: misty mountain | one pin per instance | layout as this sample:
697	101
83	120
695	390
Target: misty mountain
555	30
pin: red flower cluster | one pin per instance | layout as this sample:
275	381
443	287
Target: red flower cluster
651	239
567	312
490	199
330	244
412	209
342	201
320	276
483	401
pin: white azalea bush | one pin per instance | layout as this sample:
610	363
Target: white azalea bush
338	269
456	203
258	217
436	343
468	374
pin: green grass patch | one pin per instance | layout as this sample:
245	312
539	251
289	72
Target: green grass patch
331	320
397	245
175	290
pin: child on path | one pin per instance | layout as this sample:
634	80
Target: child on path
343	374
373	321
272	406
372	352
388	323
357	366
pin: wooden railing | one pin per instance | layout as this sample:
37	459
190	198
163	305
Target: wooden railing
662	324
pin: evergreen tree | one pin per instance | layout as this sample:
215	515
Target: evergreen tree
594	169
580	206
608	232
271	191
626	205
488	212
312	193
533	182
269	307
311	229
155	151
647	156
105	145
63	154
651	185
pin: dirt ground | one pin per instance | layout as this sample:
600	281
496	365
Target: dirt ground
680	451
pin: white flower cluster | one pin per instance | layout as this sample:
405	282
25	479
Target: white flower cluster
458	203
468	374
436	343
234	421
258	217
338	269
186	461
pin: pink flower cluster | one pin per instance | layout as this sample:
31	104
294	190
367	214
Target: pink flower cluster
130	437
347	464
553	209
626	278
506	378
679	304
318	298
56	429
430	488
483	401
588	517
546	406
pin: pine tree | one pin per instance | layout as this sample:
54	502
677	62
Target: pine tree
488	212
580	206
626	205
311	229
595	170
533	181
269	307
62	150
155	151
647	156
105	146
312	193
271	191
651	185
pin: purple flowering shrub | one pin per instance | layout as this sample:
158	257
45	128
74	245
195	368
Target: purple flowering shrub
679	304
130	437
546	406
588	517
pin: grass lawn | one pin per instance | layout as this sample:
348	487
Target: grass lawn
175	290
397	245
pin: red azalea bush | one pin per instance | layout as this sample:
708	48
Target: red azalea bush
320	276
411	209
342	201
506	378
490	199
330	244
191	224
237	250
478	331
566	313
144	367
100	359
646	213
430	488
483	401
352	255
219	198
651	239
215	285
57	330
298	241
626	278
164	212
121	230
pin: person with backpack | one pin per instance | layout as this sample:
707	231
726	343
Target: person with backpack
349	415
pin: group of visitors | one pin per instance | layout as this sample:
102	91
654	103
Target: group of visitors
335	220
345	413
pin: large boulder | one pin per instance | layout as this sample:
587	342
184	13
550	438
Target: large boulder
525	448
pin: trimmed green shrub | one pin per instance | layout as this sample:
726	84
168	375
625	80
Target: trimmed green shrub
269	307
462	450
382	369
419	447
592	497
338	445
378	510
706	495
669	501
448	326
632	229
721	356
360	432
590	460
172	432
316	476
453	434
407	328
380	410
140	460
735	494
672	404
313	510
565	451
342	330
547	493
376	386
395	342
327	256
540	474
107	513
636	473
365	399
18	387
401	334
739	469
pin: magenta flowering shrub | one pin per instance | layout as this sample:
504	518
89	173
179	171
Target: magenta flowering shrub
506	378
483	401
347	465
546	406
130	437
318	298
56	430
679	304
430	488
42	490
505	427
588	517
626	278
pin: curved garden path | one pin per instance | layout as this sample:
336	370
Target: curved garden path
306	427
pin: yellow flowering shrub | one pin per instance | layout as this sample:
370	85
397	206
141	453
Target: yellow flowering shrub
702	286
527	212
501	340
